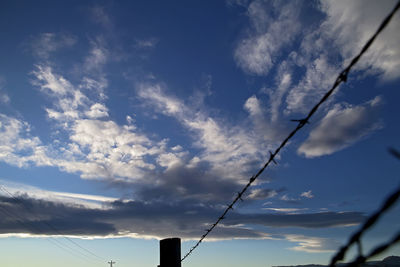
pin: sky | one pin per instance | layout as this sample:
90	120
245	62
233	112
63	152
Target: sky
126	122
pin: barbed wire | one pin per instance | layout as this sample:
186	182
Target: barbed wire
372	220
342	77
378	250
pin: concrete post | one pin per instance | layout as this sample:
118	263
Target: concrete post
170	252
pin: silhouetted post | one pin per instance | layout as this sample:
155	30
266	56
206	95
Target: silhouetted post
170	252
111	263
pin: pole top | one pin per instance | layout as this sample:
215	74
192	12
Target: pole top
170	252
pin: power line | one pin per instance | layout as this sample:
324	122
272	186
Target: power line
52	227
35	228
342	77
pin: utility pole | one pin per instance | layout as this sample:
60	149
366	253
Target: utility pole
111	263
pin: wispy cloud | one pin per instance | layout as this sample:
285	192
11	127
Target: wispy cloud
307	194
266	122
350	25
222	145
258	52
173	191
146	43
97	57
313	244
341	30
4	98
43	45
8	189
286	210
99	15
262	193
17	146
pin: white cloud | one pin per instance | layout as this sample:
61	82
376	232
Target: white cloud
286	210
351	24
312	244
344	30
266	122
50	83
257	53
318	78
283	81
47	43
325	45
97	111
4	98
69	101
97	86
289	199
264	193
307	194
253	55
253	106
89	201
97	57
110	150
351	123
168	105
146	43
95	146
17	146
100	16
172	159
222	145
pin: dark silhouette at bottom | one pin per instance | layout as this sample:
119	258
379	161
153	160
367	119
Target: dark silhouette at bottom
170	252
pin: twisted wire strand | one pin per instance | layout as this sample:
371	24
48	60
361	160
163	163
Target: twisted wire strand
372	220
377	250
342	77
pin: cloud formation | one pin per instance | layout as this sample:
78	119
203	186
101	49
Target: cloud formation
341	30
47	43
4	98
171	190
313	244
350	25
257	53
150	219
17	146
342	126
307	194
221	145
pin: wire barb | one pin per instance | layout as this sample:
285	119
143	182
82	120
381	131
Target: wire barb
394	152
301	122
272	158
343	75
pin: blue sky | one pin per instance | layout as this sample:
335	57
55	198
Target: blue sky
123	123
